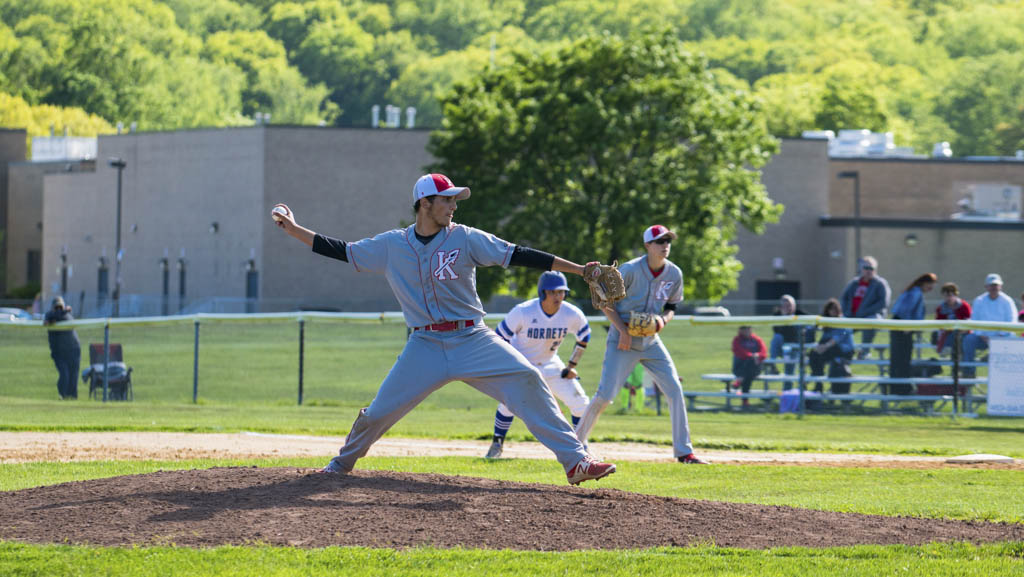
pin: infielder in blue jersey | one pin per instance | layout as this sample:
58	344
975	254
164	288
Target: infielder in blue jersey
431	267
537	328
653	285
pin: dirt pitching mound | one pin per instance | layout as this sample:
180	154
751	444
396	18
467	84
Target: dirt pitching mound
298	507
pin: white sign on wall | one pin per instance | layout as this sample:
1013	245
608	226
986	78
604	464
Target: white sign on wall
1006	377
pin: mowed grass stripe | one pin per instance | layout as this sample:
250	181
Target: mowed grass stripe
996	560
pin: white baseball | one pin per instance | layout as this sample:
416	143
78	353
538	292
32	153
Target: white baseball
279	210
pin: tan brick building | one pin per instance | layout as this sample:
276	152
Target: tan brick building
196	236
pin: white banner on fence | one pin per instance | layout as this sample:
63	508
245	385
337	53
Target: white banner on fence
1006	377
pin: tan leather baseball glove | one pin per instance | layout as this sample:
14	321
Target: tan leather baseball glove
606	285
644	324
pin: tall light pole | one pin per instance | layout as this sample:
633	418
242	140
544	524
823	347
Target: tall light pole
119	164
855	175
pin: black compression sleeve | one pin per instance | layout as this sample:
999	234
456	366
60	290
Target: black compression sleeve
528	257
670	307
331	247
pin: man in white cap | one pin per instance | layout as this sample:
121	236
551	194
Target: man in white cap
992	305
653	285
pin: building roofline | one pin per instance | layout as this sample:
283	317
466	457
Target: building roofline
930	223
933	160
267	126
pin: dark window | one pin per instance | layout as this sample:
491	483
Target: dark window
252	287
768	293
181	284
34	267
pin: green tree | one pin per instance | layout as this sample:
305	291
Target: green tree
577	150
851	99
985	95
274	86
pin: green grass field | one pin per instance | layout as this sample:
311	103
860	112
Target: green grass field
248	382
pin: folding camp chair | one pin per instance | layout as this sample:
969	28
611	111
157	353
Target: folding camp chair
119	385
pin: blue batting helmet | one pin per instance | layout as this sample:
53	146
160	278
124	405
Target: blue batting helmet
551	281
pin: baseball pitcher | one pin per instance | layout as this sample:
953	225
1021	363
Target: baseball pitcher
537	328
431	267
654	286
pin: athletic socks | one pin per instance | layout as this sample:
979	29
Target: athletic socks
502	423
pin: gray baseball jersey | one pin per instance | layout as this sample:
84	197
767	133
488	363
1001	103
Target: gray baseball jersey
644	293
436	283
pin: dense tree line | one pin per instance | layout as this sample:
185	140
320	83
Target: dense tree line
928	70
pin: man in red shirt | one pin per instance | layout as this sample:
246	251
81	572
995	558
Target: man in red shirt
748	353
866	296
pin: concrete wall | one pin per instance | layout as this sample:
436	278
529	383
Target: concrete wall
353	183
962	256
348	184
25	220
12	149
175	186
896	192
927	188
797	178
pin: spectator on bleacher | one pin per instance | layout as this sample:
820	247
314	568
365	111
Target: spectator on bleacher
787	335
909	307
835	349
748	353
992	305
866	296
952	307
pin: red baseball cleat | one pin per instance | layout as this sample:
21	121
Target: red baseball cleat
589	468
692	459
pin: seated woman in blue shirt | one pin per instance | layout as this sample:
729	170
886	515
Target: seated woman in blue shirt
835	349
909	306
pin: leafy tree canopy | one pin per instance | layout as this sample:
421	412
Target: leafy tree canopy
896	65
576	149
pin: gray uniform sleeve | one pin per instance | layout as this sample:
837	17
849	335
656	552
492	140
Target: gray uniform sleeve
485	249
369	254
677	292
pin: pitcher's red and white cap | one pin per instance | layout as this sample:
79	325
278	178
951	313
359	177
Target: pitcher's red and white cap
431	184
657	231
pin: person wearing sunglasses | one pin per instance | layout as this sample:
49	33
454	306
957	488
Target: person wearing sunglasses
866	296
653	285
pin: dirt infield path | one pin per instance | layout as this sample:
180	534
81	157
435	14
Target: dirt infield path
21	447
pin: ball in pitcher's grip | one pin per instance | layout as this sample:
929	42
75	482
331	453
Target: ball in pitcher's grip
278	212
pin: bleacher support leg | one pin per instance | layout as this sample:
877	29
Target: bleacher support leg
956	369
302	349
195	366
106	358
801	373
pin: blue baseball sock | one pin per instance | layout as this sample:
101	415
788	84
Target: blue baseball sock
502	423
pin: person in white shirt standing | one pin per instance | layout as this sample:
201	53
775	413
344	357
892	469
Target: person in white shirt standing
537	328
992	305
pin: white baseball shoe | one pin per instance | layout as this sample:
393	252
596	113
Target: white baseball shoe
496	447
333	467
